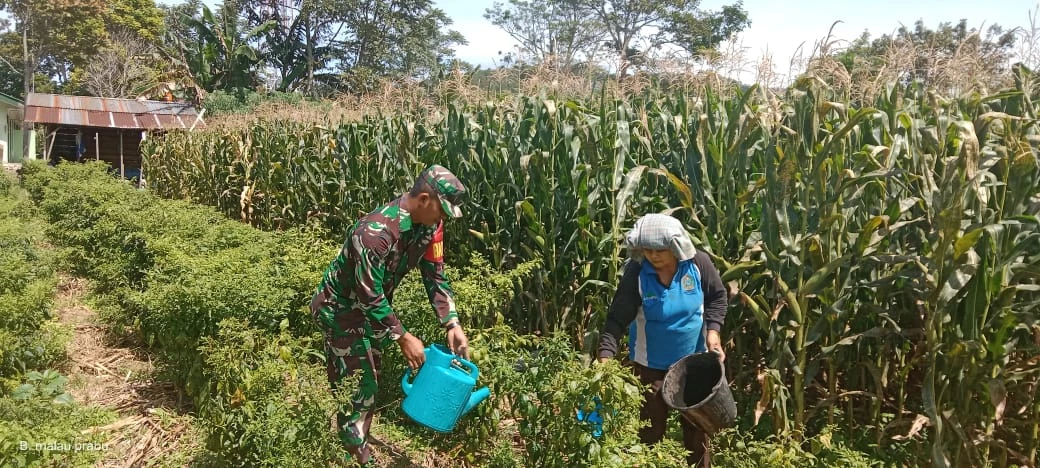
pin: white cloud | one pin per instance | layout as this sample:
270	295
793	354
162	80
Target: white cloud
485	42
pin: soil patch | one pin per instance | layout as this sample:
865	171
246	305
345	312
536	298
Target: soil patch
108	372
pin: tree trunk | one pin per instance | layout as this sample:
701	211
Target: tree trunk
28	69
310	56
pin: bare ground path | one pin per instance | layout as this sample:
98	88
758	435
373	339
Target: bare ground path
152	428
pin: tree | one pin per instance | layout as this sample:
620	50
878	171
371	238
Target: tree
950	55
175	22
403	38
123	69
142	18
302	46
12	81
57	35
555	31
214	51
628	25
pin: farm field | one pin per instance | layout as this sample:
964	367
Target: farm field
882	260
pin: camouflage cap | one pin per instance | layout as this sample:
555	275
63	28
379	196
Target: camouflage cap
449	189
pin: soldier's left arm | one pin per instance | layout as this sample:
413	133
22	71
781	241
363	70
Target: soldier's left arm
438	288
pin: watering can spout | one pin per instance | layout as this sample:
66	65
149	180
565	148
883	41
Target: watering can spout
478	396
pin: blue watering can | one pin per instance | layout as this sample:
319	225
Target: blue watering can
442	391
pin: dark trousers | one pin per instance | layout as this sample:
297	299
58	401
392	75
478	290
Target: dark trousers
656	411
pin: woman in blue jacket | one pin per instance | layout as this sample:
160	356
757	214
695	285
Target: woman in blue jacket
672	303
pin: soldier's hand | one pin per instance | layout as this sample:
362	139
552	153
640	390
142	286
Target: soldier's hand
458	342
412	348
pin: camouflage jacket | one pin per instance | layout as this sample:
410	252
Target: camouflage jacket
357	289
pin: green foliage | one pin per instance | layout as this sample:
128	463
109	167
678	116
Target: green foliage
929	50
215	50
627	26
539	384
41	425
221	304
732	449
303	48
268	403
222	102
405	39
559	33
34	407
555	32
28	340
142	18
535	383
62	34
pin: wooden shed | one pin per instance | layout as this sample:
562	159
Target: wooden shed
79	128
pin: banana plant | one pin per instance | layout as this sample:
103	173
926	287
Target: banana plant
219	56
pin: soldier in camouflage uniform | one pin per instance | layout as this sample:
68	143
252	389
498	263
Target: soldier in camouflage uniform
353	302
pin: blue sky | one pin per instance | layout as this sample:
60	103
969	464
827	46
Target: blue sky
777	26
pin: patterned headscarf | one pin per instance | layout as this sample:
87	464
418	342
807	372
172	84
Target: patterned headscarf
659	232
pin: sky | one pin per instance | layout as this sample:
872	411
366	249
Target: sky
777	26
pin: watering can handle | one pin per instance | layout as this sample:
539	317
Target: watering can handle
473	371
406	386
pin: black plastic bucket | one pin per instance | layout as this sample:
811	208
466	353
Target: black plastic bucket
696	385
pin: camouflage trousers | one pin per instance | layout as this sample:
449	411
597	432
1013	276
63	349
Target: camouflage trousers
345	356
352	347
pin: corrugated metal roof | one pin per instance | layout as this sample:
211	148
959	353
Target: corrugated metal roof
89	111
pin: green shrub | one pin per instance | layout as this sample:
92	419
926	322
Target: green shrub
734	449
28	340
222	102
537	385
200	288
188	296
268	402
40	412
6	182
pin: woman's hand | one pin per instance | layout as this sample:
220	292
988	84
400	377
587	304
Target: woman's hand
715	344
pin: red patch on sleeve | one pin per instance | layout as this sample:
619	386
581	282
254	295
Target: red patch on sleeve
435	252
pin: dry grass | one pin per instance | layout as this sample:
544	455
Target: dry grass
968	69
303	112
117	376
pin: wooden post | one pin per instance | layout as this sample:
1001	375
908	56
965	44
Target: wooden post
198	118
140	176
122	172
97	146
47	155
